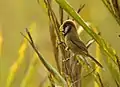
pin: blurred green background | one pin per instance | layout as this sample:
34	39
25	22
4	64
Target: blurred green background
16	15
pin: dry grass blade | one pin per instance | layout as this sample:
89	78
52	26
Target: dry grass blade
80	8
118	62
51	80
56	75
16	66
43	82
89	43
1	43
118	85
89	73
114	8
74	72
100	80
53	38
55	24
105	46
61	15
102	43
70	68
55	48
29	74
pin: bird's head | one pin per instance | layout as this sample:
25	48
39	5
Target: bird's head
68	27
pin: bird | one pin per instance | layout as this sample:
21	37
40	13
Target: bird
73	41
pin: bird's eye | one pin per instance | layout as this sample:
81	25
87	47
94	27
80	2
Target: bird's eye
67	26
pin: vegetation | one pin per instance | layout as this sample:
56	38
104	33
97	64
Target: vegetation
70	71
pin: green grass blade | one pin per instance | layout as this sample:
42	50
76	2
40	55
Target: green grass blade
102	43
49	67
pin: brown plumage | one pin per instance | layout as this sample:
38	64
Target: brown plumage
74	43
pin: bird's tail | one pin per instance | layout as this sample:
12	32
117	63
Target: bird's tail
100	65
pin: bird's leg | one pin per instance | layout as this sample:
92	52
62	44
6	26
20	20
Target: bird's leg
71	55
66	49
65	60
61	43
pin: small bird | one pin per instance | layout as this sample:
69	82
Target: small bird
74	43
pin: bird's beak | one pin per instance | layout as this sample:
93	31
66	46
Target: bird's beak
62	31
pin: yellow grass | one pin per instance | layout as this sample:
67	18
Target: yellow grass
28	77
14	68
1	43
98	58
21	53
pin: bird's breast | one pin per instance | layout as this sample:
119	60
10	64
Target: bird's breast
74	48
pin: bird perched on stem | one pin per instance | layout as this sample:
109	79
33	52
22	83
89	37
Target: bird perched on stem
74	43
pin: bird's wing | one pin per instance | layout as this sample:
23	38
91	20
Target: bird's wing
83	48
79	44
